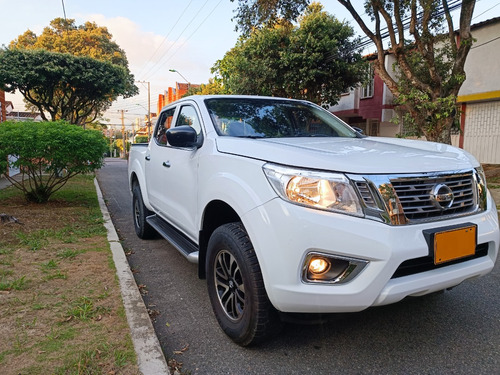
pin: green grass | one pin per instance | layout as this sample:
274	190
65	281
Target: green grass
85	309
56	275
8	193
82	192
34	241
84	362
50	265
56	339
16	284
4	273
5	249
69	253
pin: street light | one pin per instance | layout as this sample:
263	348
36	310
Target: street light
179	73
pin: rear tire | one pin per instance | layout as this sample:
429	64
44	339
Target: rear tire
236	288
140	212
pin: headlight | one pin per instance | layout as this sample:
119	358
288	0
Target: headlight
321	190
481	188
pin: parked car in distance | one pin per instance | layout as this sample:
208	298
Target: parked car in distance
287	209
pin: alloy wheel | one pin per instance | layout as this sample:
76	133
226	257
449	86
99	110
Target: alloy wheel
229	285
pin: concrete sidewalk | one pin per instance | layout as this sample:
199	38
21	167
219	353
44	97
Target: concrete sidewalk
150	358
4	183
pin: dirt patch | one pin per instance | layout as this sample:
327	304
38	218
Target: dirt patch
60	304
492	172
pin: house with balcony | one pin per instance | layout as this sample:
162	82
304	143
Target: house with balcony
371	108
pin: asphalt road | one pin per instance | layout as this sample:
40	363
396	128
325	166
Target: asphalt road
457	332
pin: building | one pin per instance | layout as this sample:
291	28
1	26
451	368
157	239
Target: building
480	94
13	115
371	107
174	93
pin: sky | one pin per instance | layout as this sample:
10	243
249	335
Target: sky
186	35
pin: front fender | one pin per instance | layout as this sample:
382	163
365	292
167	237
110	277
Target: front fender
239	182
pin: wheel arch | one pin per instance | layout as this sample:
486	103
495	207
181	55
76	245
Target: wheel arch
138	179
134	180
216	213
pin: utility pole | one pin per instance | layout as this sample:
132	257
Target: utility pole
149	107
124	143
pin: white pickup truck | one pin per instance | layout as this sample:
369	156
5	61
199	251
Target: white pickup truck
286	209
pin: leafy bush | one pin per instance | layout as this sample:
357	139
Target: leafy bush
49	154
141	139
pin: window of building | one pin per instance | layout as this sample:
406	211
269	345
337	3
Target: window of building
368	87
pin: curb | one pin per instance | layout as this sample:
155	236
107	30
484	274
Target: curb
150	358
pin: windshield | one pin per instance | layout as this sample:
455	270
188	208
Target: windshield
273	118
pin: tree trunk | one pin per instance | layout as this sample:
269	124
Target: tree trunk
440	131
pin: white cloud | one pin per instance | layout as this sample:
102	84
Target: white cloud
139	45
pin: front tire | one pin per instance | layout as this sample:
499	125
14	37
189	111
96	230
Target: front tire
140	212
236	288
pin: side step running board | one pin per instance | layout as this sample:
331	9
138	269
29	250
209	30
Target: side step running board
185	246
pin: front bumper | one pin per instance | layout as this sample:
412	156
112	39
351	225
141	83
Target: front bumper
283	234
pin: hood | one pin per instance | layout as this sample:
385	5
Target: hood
370	155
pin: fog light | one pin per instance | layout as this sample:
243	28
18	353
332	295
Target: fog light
318	266
330	269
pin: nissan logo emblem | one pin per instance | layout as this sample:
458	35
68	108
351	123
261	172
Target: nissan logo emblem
442	196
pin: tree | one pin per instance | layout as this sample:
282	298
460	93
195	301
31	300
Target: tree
67	87
141	139
87	40
254	65
213	87
316	60
429	61
49	154
255	14
64	36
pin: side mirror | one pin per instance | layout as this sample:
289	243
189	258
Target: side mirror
182	136
359	130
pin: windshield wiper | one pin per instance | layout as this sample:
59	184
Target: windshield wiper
251	136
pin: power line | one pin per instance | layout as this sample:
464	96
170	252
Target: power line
189	37
366	41
487	10
168	49
165	38
489	41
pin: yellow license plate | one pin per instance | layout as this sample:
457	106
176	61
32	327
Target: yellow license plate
454	244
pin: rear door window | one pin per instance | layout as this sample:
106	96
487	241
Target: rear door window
164	123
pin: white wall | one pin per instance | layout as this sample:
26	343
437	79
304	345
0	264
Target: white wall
389	129
482	131
482	67
347	101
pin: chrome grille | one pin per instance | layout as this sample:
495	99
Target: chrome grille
414	195
365	193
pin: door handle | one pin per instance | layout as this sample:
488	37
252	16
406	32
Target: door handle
166	164
147	157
